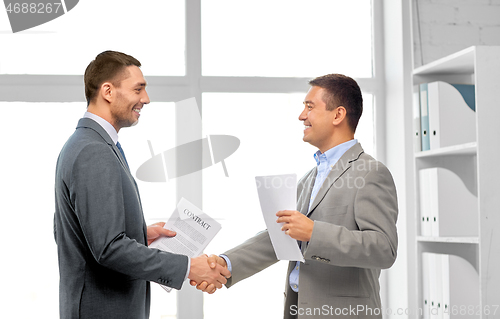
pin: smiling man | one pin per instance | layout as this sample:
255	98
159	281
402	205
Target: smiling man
345	222
105	263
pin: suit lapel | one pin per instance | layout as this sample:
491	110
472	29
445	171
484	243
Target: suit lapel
342	165
120	157
308	186
91	124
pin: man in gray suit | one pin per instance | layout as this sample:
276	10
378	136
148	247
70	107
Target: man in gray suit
345	221
105	264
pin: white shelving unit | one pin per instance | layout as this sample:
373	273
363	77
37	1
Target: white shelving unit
477	165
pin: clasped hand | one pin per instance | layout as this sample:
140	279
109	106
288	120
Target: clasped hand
211	272
203	269
296	225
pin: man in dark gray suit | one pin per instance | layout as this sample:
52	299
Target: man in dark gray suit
105	264
345	222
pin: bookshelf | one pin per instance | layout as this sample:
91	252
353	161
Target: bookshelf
475	164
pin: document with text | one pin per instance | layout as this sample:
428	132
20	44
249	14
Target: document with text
194	229
279	192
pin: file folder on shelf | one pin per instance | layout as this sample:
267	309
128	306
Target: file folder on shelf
450	285
445	273
435	290
426	281
451	208
424	117
425	203
417	139
451	120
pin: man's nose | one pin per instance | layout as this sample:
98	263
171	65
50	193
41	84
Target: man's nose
303	115
145	98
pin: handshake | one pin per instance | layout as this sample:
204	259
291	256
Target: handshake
208	273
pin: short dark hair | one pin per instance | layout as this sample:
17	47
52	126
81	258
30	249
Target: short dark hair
107	66
341	90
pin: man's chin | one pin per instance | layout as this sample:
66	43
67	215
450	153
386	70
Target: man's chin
135	123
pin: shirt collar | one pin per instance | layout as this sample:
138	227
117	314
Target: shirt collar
334	154
105	125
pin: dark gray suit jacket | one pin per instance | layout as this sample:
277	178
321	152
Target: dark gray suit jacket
104	263
354	237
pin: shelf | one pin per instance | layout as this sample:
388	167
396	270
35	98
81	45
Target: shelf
456	240
465	247
461	62
462	149
475	163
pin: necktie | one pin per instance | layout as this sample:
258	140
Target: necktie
121	151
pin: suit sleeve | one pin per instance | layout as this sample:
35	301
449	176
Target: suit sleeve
254	255
99	200
257	253
374	244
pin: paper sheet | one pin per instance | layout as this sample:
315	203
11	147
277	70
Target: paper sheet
279	192
194	228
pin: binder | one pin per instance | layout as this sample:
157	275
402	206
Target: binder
452	209
425	202
424	117
435	285
434	200
445	274
451	120
426	267
417	140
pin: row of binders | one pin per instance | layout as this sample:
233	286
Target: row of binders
447	207
450	287
443	115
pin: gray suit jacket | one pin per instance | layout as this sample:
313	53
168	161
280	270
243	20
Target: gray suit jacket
354	237
99	227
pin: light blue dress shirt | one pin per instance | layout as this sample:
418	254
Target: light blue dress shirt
325	162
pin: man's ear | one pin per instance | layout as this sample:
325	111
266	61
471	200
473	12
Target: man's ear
340	115
107	91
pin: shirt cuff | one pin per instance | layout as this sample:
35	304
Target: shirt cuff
228	262
188	268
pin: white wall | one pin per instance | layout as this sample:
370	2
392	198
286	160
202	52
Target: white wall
442	27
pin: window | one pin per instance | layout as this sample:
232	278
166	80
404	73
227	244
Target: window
33	137
157	126
67	44
286	38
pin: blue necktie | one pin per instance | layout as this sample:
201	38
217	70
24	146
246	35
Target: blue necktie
121	151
